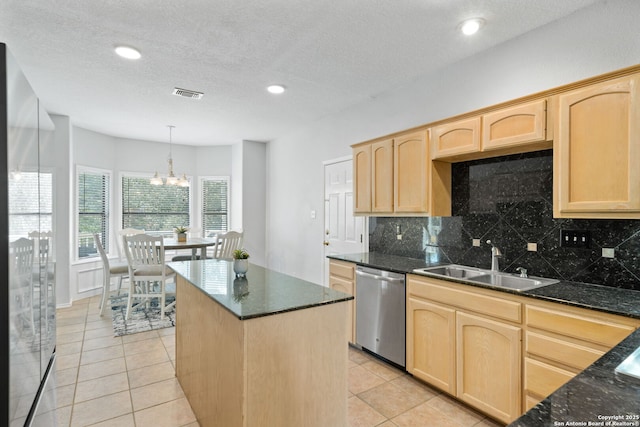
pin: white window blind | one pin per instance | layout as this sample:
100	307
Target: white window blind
93	211
215	204
158	208
30	203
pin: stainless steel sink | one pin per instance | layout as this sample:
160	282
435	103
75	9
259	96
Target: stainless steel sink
631	365
506	280
485	277
453	270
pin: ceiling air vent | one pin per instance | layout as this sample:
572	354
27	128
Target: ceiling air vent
187	93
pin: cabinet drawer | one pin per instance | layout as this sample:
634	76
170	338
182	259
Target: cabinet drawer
567	353
495	306
542	379
573	325
452	139
517	125
341	269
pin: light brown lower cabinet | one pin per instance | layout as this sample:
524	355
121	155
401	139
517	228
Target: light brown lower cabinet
473	356
501	353
342	278
431	330
561	341
488	365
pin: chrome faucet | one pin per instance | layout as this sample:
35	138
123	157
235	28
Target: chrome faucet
523	271
495	254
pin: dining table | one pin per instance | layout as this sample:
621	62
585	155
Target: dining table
192	243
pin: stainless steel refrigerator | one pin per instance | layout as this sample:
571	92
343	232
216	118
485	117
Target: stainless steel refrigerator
27	261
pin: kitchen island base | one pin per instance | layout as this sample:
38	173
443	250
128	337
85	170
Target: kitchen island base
285	369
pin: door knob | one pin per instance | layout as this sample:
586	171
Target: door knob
325	243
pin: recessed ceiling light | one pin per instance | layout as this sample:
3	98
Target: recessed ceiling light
276	89
128	52
471	26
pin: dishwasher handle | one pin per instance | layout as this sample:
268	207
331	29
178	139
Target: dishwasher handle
377	277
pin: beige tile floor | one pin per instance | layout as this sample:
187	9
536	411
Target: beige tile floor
107	381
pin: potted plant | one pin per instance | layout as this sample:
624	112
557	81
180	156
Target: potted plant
181	233
240	262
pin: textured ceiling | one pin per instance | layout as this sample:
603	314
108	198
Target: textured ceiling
330	54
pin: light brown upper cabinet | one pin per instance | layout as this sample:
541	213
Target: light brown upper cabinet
382	176
513	126
411	164
509	130
453	139
392	175
597	151
362	178
373	173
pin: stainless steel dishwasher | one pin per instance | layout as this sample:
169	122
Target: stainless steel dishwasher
380	313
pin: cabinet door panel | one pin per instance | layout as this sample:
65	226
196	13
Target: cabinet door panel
382	176
514	126
457	138
567	353
489	365
411	161
341	269
598	147
541	379
346	286
362	178
431	343
585	327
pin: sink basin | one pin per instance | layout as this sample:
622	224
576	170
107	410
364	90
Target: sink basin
631	365
485	277
453	270
505	280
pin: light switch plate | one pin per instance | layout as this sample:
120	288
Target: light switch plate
476	242
608	253
532	247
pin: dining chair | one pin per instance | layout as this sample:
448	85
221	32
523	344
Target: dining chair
121	234
226	243
21	279
110	269
43	270
148	272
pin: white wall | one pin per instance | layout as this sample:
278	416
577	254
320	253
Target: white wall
593	41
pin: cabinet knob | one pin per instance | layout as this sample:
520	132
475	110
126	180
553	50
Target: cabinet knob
325	243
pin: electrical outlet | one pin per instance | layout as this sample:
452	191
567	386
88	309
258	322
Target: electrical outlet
575	238
399	236
475	242
608	253
532	247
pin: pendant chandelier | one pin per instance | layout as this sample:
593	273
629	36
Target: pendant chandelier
171	178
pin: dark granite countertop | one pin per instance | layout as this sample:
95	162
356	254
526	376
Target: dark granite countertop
596	395
595	297
263	292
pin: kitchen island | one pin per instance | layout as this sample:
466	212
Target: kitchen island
265	350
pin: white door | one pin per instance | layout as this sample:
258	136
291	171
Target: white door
344	233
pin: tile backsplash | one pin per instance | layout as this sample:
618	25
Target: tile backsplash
509	201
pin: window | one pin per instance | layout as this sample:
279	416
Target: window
215	204
30	203
93	210
158	208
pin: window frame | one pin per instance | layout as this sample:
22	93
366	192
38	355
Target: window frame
129	174
81	169
201	181
40	213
